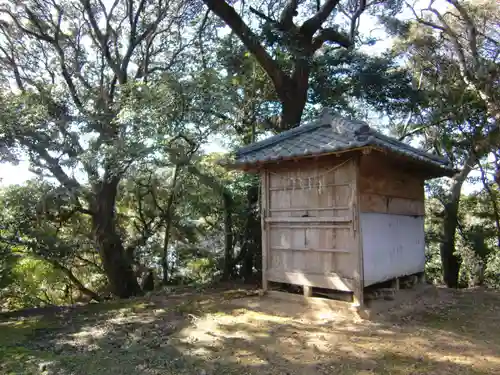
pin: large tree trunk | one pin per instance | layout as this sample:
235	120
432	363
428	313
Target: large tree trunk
121	277
229	237
451	261
295	97
168	226
291	113
252	235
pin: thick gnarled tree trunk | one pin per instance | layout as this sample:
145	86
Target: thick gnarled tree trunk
294	98
450	260
121	277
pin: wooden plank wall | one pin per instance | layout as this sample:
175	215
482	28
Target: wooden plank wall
308	224
387	188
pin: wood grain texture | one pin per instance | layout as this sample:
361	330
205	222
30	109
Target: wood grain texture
387	187
390	205
265	235
380	176
329	281
309	226
358	296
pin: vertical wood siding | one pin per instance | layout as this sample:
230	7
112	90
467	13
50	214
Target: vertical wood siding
309	224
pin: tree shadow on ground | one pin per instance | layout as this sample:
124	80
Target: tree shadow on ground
451	332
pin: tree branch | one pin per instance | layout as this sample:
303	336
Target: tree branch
200	39
79	285
228	14
314	23
263	16
355	18
471	78
15	69
331	35
102	40
55	42
53	166
471	31
135	40
15	19
90	263
289	11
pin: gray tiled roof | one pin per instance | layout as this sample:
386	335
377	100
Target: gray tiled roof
329	133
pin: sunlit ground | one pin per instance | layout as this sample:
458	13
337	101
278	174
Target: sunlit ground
444	332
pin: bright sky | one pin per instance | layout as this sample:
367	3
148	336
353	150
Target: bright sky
17	174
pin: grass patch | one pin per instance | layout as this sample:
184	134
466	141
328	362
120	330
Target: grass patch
446	334
17	355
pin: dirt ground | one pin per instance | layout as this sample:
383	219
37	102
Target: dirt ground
442	332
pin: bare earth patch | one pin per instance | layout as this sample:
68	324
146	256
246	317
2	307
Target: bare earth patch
443	332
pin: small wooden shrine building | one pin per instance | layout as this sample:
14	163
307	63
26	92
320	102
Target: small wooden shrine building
342	205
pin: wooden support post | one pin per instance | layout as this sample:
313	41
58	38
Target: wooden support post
357	298
308	291
414	280
356	301
264	209
395	283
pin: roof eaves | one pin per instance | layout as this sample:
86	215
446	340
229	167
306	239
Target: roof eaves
280	137
406	148
346	134
416	157
306	153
